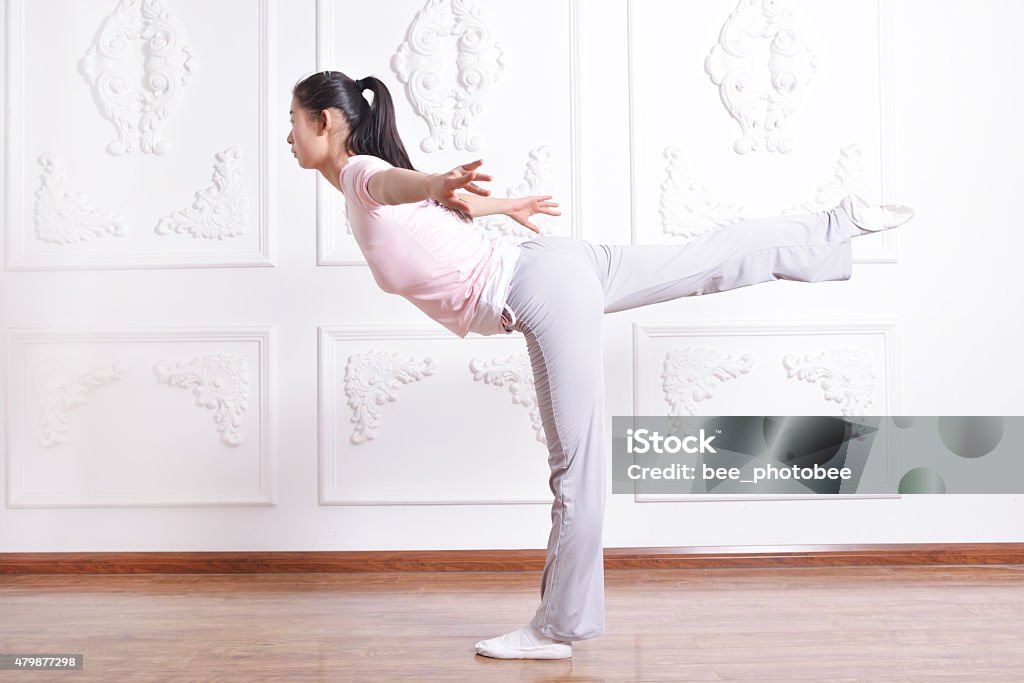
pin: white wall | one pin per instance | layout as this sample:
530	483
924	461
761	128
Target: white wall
107	336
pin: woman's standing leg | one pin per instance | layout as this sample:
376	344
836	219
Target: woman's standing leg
559	303
569	378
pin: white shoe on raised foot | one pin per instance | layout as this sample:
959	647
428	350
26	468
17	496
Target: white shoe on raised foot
875	218
524	643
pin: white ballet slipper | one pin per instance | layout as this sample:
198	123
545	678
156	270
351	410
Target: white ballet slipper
875	218
523	643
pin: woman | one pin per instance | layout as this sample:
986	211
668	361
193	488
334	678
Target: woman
412	229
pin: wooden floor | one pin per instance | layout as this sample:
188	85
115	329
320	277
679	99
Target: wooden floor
801	624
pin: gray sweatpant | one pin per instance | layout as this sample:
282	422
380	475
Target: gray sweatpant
561	287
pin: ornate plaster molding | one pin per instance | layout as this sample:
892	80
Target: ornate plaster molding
515	373
58	391
138	110
758	38
63	216
420	64
219	382
218	211
690	374
686	207
372	379
845	375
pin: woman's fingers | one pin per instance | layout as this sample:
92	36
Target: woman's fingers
524	221
466	183
470	177
467	178
458	204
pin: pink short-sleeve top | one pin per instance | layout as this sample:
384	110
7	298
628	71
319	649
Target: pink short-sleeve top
455	273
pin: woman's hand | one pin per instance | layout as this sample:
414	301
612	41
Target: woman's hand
524	207
442	186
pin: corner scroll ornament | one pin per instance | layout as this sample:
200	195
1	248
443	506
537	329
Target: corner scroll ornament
760	65
686	208
218	211
845	375
516	373
420	64
538	179
58	391
63	216
372	379
848	178
219	382
110	65
689	375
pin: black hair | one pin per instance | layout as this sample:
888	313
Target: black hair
372	127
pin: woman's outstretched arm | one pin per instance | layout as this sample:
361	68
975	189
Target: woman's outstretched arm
399	186
518	209
486	206
404	186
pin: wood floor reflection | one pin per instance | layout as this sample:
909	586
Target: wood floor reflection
901	623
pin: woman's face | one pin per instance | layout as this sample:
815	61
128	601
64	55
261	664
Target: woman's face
308	143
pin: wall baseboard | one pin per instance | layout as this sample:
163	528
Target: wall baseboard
263	562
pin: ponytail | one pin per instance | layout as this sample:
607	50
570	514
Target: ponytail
376	133
372	128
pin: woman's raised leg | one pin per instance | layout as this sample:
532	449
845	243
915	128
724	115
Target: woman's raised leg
807	247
